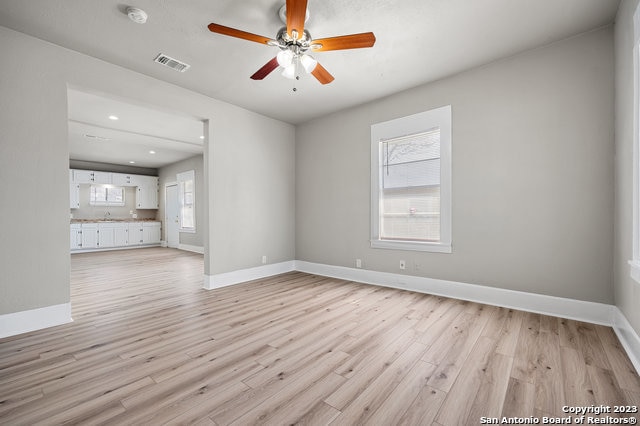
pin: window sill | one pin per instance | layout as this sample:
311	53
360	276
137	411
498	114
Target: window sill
187	230
635	270
411	245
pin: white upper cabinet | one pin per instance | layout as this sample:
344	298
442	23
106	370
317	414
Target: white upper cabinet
74	192
146	186
102	177
122	179
147	192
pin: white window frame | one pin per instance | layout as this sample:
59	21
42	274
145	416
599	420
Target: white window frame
416	123
181	179
635	262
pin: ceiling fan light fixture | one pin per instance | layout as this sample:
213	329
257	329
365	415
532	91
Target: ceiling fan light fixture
308	62
290	72
285	58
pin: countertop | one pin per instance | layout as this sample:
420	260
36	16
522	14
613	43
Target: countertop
111	220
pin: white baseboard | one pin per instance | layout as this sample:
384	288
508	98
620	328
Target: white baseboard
34	319
187	247
235	277
627	336
598	313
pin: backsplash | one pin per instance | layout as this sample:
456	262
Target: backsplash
85	211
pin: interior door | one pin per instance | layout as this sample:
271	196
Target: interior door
172	223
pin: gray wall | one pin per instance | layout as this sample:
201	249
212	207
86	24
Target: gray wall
34	164
168	174
627	291
532	175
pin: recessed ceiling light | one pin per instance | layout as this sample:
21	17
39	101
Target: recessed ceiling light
152	152
202	137
113	117
132	162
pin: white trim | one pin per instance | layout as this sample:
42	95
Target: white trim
187	247
628	337
34	319
235	277
412	245
598	313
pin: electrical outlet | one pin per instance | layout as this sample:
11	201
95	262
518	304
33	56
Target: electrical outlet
264	260
358	263
416	266
403	264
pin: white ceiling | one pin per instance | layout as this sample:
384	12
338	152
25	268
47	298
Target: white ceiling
418	41
93	136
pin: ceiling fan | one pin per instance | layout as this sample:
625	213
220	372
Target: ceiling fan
294	41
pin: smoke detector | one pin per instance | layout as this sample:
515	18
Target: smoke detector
138	16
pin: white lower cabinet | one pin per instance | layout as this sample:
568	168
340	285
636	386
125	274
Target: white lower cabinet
75	236
151	233
87	236
135	234
106	235
120	234
112	234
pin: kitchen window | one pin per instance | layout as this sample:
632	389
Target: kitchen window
186	197
106	195
411	182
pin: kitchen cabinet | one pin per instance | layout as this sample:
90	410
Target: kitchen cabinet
121	234
82	176
74	192
122	179
151	233
146	186
89	235
88	176
75	236
102	177
135	234
147	192
105	235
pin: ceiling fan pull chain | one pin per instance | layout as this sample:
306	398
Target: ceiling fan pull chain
296	61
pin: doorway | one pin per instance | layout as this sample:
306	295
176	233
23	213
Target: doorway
172	219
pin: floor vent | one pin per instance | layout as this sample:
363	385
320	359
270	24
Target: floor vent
168	61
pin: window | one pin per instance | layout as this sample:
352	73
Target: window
106	195
635	262
411	182
186	197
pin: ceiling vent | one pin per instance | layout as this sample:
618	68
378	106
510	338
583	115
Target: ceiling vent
168	61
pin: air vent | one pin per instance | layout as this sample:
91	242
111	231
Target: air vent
168	61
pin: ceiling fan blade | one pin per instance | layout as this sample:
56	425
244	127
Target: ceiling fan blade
221	29
296	12
322	75
352	41
265	70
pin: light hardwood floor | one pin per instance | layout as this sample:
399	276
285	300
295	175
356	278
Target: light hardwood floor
149	346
